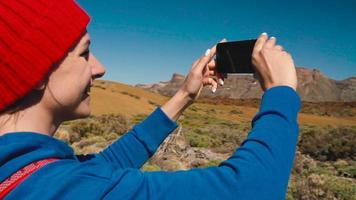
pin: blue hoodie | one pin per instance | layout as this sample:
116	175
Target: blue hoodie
258	169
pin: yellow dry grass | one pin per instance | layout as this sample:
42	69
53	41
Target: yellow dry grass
325	120
115	98
223	112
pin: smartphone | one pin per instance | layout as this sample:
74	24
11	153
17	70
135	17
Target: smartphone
235	57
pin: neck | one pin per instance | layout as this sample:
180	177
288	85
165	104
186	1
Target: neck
32	119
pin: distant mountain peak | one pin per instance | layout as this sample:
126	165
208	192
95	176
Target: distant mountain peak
177	78
313	86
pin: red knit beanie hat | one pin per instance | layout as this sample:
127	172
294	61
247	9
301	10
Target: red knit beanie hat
34	36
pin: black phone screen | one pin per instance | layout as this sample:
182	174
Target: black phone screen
235	57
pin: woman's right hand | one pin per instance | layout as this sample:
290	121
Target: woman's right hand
273	65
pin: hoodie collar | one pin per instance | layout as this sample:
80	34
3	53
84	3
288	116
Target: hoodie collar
19	149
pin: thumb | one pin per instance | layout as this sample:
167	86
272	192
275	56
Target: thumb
207	57
204	60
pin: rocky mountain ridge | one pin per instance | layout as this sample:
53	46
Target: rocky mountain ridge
313	86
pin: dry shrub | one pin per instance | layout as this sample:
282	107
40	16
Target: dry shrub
105	126
90	145
329	143
131	95
92	134
236	112
313	188
316	187
303	163
335	109
138	118
345	168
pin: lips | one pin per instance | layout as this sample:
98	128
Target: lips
87	91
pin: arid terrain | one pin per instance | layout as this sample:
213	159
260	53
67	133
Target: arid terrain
212	128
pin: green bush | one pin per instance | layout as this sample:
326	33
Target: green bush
194	108
113	123
197	139
212	163
329	143
342	188
345	169
90	145
94	133
313	188
83	129
148	167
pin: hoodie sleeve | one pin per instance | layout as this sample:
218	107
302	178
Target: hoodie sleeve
134	148
258	169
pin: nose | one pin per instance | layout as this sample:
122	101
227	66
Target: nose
98	70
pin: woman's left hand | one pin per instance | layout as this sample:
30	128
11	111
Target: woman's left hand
202	74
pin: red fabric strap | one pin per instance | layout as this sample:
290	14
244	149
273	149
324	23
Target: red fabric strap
15	179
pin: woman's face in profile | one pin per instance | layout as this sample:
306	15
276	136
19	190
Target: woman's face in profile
66	94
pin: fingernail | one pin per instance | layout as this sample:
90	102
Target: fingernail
207	52
221	82
272	38
213	89
264	33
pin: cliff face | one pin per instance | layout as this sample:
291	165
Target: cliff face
313	86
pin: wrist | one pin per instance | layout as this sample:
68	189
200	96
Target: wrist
177	104
184	97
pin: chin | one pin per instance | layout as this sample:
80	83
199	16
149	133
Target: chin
83	114
83	111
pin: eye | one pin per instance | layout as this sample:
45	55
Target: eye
85	54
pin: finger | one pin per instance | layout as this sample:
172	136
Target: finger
220	78
194	64
209	54
279	47
210	81
270	43
212	72
223	40
204	60
259	79
215	86
260	42
207	81
212	64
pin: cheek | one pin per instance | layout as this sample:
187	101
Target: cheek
69	86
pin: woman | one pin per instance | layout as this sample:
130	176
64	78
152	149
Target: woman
46	72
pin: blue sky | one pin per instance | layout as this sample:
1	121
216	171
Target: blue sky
146	41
